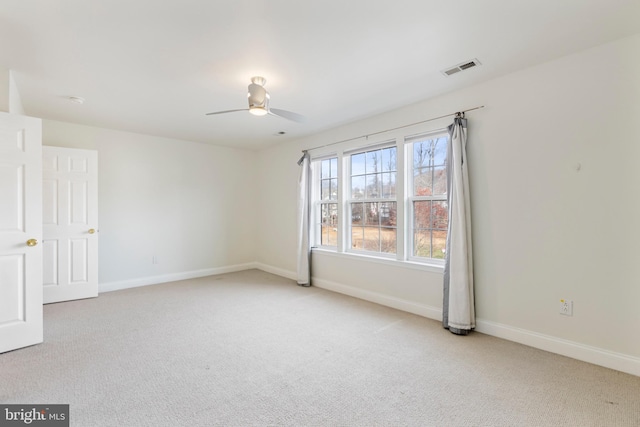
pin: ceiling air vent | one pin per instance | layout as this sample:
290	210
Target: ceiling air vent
461	67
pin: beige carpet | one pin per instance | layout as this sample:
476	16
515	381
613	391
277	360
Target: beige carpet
254	349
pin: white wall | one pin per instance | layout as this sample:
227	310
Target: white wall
10	101
542	229
186	203
15	101
5	90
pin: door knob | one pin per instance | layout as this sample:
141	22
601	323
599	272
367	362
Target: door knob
92	231
32	242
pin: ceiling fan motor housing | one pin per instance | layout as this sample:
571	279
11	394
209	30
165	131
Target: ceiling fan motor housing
258	95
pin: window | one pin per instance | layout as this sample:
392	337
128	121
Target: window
372	201
386	201
327	208
428	195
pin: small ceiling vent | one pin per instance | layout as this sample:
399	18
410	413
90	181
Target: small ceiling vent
461	67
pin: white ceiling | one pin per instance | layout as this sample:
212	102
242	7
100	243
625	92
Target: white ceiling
156	67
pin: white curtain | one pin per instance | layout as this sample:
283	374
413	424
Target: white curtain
304	251
458	308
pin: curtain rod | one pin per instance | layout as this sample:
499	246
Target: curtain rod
396	128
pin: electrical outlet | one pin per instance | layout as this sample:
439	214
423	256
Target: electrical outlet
566	307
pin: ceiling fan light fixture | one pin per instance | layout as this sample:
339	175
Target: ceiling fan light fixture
259	98
258	111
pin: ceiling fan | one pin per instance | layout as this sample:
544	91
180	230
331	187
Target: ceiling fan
259	103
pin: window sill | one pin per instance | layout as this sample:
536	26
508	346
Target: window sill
423	266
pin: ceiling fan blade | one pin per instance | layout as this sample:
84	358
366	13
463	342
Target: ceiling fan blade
287	115
226	111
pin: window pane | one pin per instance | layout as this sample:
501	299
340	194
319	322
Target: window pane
374	161
439	244
422	214
439	215
357	187
334	213
439	180
422	243
357	213
325	186
371	239
422	182
367	233
334	167
357	164
357	238
440	151
374	187
389	159
329	236
388	214
324	166
330	214
326	214
389	185
388	240
333	194
421	154
371	214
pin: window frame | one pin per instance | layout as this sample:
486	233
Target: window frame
411	198
402	140
318	202
350	200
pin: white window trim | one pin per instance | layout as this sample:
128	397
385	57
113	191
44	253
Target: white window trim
349	200
410	198
316	192
366	256
404	240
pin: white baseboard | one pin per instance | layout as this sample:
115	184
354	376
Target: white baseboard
275	270
597	356
164	278
378	298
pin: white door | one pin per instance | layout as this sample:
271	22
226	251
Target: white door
70	218
20	231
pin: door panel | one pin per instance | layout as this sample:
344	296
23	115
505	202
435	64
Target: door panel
50	202
70	203
78	164
12	196
12	278
78	257
20	221
50	264
78	201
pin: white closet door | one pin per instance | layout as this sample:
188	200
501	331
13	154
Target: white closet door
70	218
20	231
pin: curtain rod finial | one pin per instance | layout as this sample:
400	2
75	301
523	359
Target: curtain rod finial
305	153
